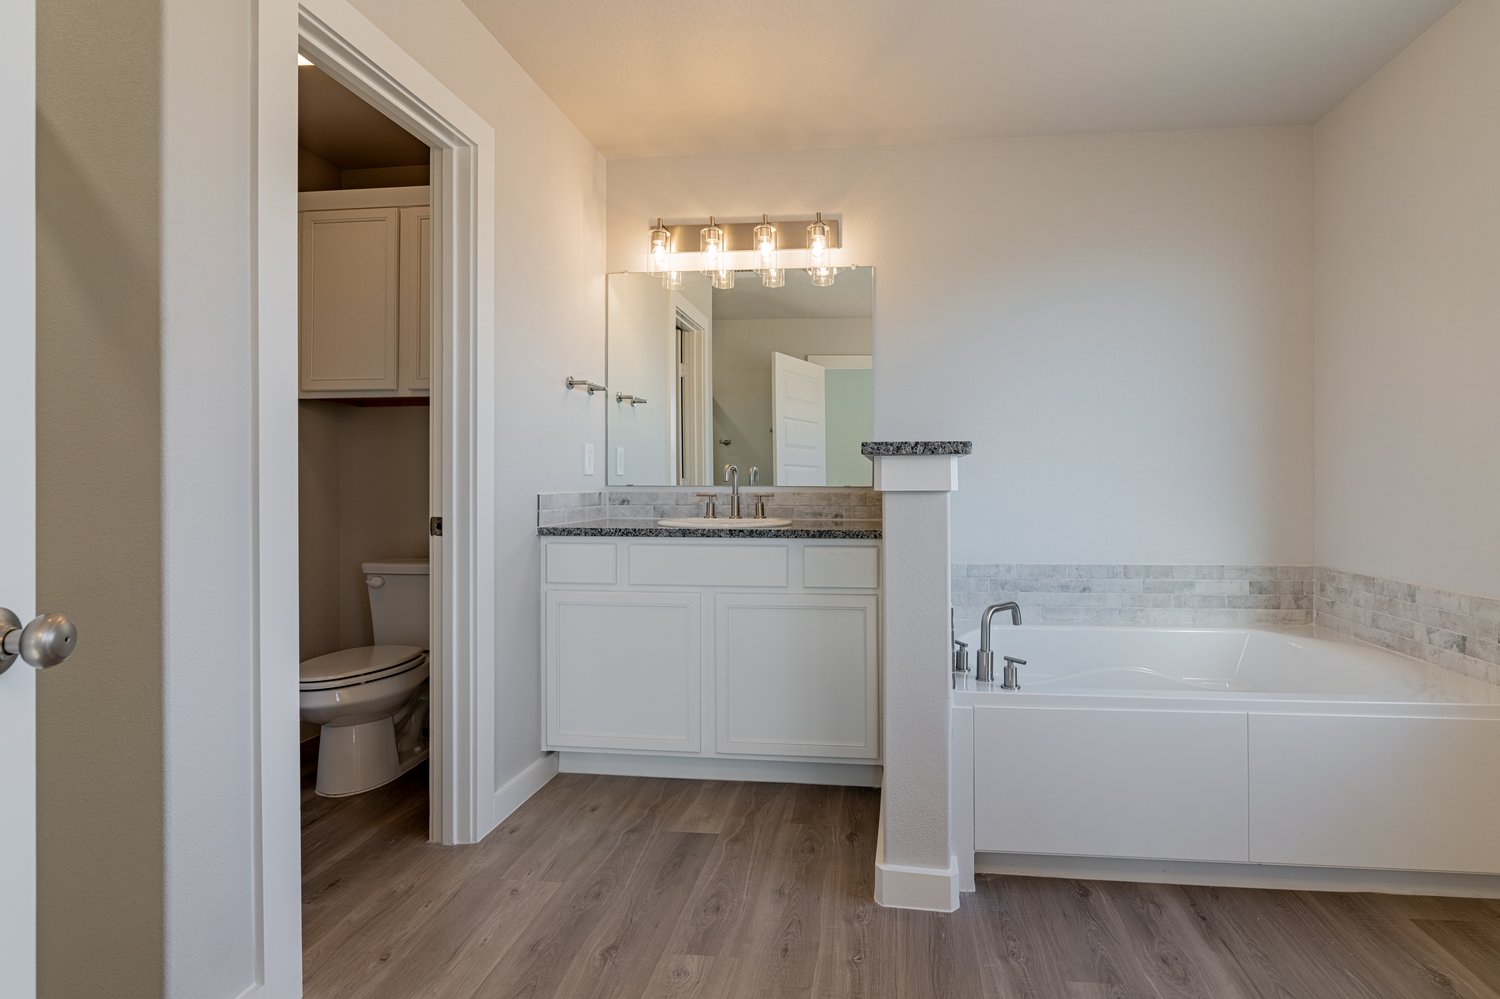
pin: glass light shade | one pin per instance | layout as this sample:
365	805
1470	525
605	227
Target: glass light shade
765	247
817	244
671	280
775	277
822	277
713	244
659	249
722	279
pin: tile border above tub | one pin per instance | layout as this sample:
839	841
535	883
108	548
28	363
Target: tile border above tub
1140	595
1456	631
901	449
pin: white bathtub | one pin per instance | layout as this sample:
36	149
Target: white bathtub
1226	747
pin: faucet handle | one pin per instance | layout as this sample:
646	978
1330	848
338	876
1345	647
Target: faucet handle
960	656
1014	661
760	504
711	511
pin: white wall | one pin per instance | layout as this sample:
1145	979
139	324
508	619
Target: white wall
742	385
1408	313
1120	323
549	305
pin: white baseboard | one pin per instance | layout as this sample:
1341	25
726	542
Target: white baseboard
522	786
931	889
1173	872
718	768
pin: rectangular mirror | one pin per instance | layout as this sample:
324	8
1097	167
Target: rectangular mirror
774	379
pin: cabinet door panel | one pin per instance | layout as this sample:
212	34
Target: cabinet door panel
797	675
416	298
623	670
1094	783
349	276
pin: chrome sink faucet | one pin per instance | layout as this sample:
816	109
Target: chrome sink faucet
985	661
732	476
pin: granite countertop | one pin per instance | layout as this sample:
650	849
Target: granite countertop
897	449
862	530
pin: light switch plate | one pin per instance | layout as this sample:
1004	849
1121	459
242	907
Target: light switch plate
588	459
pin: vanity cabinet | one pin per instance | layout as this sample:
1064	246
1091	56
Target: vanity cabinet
364	294
731	649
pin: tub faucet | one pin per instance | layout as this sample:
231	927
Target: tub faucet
732	476
985	660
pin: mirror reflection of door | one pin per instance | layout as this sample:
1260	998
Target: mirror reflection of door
724	370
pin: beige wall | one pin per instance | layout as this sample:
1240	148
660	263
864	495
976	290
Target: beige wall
101	502
1121	323
363	492
1408	314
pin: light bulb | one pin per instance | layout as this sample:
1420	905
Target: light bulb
765	245
711	242
659	251
817	244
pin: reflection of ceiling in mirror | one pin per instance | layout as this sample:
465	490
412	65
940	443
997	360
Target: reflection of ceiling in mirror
851	297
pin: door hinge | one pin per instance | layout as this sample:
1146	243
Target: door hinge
435	526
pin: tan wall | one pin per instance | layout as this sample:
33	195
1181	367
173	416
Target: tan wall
363	495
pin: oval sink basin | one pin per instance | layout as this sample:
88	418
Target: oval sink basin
726	523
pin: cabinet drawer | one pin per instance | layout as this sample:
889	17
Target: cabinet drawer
708	565
853	567
581	564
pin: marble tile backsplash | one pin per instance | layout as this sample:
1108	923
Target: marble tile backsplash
1163	596
638	503
1452	630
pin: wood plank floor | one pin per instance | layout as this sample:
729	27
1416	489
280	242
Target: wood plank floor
625	887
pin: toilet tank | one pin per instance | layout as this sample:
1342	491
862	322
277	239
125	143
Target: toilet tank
398	600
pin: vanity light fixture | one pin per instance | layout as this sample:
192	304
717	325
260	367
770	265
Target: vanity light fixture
671	280
774	277
722	279
712	243
822	277
659	254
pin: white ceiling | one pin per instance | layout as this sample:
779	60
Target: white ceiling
666	77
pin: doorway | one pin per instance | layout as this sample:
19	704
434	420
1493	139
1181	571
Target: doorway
343	44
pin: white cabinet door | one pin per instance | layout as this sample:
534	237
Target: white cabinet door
1349	791
416	298
797	675
349	289
623	670
1053	781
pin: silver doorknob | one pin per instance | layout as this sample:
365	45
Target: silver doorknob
45	642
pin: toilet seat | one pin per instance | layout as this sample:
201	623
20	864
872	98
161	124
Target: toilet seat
366	664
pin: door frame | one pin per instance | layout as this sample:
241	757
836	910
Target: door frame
18	886
347	46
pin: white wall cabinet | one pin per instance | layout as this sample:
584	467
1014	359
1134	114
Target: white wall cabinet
796	675
714	649
365	294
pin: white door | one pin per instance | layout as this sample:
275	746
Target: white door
799	418
17	498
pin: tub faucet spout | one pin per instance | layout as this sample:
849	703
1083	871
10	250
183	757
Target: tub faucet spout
985	660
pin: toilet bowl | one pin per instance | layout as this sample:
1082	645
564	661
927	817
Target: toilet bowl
371	701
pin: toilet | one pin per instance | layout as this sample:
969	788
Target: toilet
372	701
